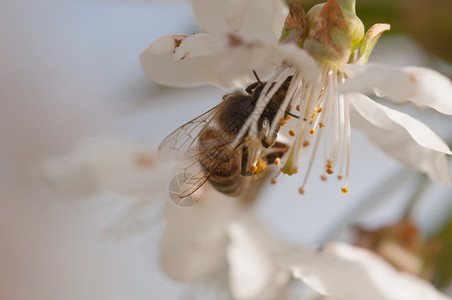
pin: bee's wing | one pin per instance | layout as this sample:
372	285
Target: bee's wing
182	146
182	143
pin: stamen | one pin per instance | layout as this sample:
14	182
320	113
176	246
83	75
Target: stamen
301	191
311	131
306	143
311	161
323	177
277	161
273	181
344	190
298	107
291	133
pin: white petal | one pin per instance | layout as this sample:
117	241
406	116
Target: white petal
261	19
253	274
346	272
107	164
194	243
204	59
401	137
422	86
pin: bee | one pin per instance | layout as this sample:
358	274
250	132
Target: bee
205	143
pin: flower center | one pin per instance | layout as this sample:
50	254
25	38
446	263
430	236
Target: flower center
323	115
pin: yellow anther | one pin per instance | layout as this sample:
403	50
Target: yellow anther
339	177
291	133
321	125
324	178
301	191
318	109
306	143
287	118
344	190
281	122
273	181
253	169
310	123
293	171
329	171
277	161
312	131
298	107
329	166
313	115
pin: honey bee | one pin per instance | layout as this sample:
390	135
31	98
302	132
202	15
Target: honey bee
205	143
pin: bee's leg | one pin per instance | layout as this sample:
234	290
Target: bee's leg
245	157
251	87
276	151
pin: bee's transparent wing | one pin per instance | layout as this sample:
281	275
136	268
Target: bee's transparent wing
182	143
182	146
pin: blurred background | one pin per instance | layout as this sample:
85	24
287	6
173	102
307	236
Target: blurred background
69	71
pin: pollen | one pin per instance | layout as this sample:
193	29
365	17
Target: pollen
281	122
313	115
329	171
344	190
321	125
312	131
339	177
286	118
306	143
318	109
291	133
301	191
324	178
273	181
277	161
298	107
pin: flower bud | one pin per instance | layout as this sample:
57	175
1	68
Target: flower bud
334	31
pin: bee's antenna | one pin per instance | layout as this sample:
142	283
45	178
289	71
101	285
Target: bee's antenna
257	77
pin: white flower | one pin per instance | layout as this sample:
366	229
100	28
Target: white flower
220	237
115	167
345	272
326	92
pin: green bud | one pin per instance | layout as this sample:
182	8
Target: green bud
328	37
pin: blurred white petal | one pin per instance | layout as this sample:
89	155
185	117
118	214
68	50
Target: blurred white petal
262	19
194	243
346	272
401	137
422	86
252	272
107	164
